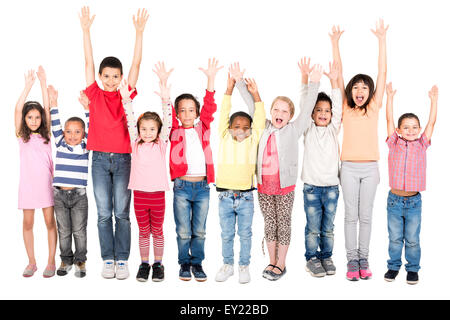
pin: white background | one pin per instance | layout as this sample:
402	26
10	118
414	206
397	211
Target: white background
268	38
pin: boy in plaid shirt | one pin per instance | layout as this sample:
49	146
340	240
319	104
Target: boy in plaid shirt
407	178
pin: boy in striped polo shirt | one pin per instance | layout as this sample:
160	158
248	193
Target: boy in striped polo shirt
407	178
69	186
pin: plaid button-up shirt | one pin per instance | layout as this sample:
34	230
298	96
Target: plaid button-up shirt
407	163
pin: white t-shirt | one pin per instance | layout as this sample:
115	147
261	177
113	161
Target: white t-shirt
195	157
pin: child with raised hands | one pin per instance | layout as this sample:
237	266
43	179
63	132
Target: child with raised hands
239	138
192	170
32	124
359	169
407	179
277	172
148	179
110	143
320	172
69	185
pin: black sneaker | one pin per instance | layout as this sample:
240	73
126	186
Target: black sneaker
185	272
390	275
412	277
198	272
144	271
158	272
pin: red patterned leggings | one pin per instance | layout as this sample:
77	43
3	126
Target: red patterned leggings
149	208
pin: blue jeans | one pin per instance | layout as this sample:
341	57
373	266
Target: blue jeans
236	206
190	209
110	177
404	220
320	208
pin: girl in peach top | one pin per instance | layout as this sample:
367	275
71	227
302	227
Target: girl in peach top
359	170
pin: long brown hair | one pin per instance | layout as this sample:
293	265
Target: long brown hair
149	116
24	131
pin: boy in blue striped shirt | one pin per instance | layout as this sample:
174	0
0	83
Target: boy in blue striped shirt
69	186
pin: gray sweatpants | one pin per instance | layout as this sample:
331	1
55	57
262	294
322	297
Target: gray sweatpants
359	184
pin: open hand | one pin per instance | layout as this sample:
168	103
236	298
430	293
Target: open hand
52	94
304	66
85	19
41	74
380	30
235	72
434	93
84	100
161	72
316	73
125	91
30	78
336	34
333	74
213	68
389	91
141	20
164	91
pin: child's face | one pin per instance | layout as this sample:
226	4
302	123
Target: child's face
240	128
73	133
148	130
33	119
281	114
360	93
409	129
187	113
110	78
322	114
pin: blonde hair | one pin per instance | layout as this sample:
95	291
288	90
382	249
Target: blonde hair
288	101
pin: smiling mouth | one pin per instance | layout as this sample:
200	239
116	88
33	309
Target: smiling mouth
279	121
360	99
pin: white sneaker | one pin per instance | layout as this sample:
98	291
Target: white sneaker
244	274
108	269
224	273
122	270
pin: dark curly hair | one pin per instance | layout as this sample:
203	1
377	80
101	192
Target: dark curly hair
187	96
367	80
149	116
24	131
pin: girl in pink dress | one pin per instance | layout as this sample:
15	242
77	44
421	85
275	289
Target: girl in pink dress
36	169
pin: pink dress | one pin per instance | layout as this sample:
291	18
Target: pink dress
36	173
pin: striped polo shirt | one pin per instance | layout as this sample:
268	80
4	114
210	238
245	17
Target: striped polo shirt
71	165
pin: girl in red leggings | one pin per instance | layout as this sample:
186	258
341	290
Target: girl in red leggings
148	177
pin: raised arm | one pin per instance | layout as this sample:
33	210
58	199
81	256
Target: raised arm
127	102
335	35
163	75
380	33
238	76
336	96
164	94
305	70
139	24
86	22
30	78
433	94
45	98
54	113
259	119
211	72
84	101
390	109
224	117
302	121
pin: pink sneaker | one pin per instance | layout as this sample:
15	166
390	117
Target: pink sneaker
364	270
353	270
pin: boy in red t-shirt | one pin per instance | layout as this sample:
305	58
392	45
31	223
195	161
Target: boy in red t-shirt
110	143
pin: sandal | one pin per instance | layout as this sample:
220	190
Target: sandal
29	270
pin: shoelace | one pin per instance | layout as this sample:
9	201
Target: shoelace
364	264
352	266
